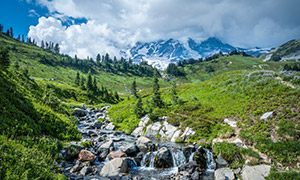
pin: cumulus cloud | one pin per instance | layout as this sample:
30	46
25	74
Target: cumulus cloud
113	25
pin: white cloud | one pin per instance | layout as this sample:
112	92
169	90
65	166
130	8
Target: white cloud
116	24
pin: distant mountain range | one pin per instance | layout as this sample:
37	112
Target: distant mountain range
162	52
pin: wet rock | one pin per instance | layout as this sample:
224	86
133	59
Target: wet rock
189	167
163	158
224	174
221	163
86	170
86	155
152	130
104	149
138	158
129	149
76	168
114	167
188	150
139	131
267	115
110	126
79	112
96	124
195	175
143	140
116	154
200	157
255	172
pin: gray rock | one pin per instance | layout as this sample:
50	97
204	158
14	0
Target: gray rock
86	170
163	158
176	135
195	175
97	124
144	121
188	132
221	163
152	130
189	167
104	149
143	140
110	126
76	168
114	167
224	174
167	131
267	115
129	149
255	172
139	131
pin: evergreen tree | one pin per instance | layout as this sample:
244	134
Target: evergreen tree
42	44
82	86
89	83
138	108
19	37
156	99
116	96
1	28
95	87
17	66
23	39
56	48
77	80
174	94
133	89
98	58
4	59
11	34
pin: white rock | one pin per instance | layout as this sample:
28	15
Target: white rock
255	172
114	167
110	126
239	143
152	130
187	133
139	131
144	121
267	115
176	135
214	141
230	123
167	130
224	173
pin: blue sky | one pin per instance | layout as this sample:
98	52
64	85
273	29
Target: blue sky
88	27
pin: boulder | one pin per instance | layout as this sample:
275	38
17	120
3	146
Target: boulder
143	140
239	143
79	112
189	167
176	135
188	150
200	157
255	172
139	131
114	167
144	121
224	174
152	130
144	144
230	123
97	124
104	149
76	168
116	154
221	163
163	158
86	155
167	131
266	115
187	133
86	170
129	149
110	126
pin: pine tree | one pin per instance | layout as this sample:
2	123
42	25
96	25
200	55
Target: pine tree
4	59
11	34
19	37
56	48
174	94
23	39
82	86
89	83
98	58
133	89
17	66
77	80
95	87
1	28
42	44
138	108
156	99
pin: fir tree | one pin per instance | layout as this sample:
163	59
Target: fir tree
89	83
56	48
17	66
42	44
95	87
82	86
11	34
156	99
133	89
98	58
138	108
77	80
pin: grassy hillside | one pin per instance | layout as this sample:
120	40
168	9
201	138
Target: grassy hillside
240	95
45	64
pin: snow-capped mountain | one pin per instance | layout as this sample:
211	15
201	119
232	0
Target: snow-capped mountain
162	52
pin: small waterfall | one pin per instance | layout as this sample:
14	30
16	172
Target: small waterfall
211	165
191	157
149	156
178	158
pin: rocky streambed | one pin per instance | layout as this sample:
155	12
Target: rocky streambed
104	153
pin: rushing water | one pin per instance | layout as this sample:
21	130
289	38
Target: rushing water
147	166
